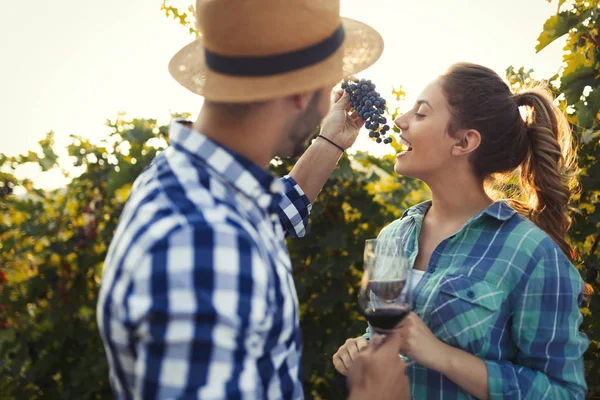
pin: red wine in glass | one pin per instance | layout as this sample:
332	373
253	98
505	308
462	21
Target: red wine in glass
383	319
385	297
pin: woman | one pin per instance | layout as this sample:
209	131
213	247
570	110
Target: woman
497	298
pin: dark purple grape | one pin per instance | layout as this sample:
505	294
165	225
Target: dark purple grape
378	140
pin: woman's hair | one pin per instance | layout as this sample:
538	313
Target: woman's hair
539	142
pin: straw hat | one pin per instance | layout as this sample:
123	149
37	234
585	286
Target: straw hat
253	50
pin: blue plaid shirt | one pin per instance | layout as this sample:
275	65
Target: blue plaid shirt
502	290
197	297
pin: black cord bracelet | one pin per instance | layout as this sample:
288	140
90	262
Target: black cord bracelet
339	147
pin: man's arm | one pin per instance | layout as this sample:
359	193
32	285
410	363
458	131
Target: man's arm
316	164
314	167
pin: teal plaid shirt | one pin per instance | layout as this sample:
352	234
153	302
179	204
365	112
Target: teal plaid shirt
502	290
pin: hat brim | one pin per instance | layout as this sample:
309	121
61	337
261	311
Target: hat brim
362	47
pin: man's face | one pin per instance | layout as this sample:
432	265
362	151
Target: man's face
302	128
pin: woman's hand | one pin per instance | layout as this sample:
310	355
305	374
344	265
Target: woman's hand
348	353
420	344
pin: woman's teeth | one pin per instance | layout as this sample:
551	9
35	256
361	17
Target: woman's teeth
405	144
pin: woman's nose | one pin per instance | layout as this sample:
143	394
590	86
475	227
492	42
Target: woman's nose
401	122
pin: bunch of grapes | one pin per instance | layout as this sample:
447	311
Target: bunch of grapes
370	107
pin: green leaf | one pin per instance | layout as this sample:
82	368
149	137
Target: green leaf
137	135
557	26
47	163
588	135
573	83
587	110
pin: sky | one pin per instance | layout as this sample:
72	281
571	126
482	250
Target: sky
70	65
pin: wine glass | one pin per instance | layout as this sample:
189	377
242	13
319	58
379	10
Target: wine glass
385	297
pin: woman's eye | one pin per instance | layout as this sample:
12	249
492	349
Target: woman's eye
418	115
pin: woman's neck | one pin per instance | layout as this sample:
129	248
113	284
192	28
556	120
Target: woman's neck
458	198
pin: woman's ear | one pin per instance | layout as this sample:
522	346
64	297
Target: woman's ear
467	142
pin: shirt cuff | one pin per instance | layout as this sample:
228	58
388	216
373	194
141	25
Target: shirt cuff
499	386
295	208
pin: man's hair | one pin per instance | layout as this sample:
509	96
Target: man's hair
236	110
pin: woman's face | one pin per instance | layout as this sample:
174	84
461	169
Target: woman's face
424	133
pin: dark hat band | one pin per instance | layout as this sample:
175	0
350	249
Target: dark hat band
277	64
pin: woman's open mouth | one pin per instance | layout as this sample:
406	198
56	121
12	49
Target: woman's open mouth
406	147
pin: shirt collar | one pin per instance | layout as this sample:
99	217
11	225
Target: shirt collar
499	210
246	176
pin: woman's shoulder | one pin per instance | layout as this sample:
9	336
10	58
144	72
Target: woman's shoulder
524	238
524	233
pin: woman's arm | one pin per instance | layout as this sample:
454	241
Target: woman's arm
466	370
545	328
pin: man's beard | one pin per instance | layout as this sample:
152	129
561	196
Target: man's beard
305	126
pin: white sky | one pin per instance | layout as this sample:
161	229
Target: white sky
70	65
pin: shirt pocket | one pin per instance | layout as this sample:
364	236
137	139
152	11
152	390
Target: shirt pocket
465	311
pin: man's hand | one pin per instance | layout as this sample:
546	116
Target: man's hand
339	125
348	353
378	373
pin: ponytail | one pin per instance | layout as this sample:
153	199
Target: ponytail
547	173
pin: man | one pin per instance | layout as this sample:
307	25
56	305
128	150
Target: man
197	298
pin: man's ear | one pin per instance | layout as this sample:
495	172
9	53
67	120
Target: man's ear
300	101
467	142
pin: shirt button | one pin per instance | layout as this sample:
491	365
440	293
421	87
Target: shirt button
470	294
431	270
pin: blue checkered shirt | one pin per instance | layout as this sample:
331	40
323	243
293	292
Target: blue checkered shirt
197	298
502	290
